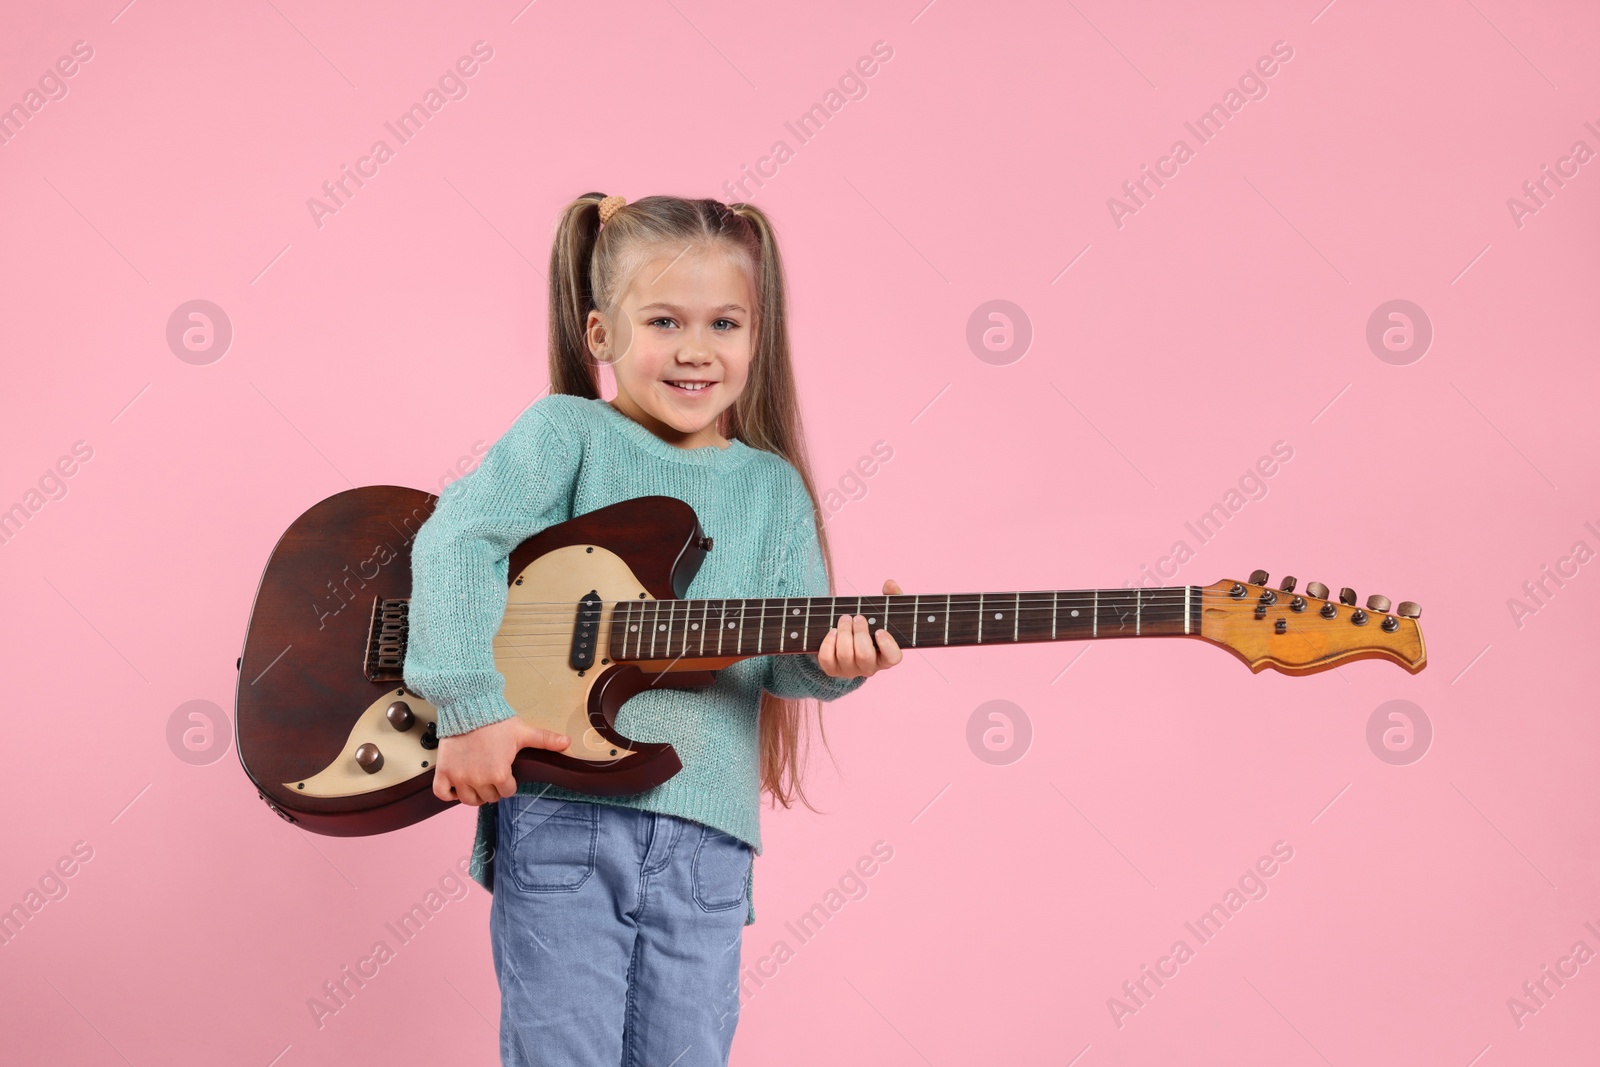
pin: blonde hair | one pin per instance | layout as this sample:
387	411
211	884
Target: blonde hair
590	268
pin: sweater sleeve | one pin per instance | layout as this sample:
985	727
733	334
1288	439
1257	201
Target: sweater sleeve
459	565
801	573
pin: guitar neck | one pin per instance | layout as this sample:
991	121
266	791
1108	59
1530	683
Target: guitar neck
695	629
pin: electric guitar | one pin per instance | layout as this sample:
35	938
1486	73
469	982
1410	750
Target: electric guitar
336	743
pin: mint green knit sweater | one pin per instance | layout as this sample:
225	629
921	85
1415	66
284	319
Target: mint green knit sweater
566	456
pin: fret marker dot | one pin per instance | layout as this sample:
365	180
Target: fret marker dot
731	625
871	619
633	628
997	615
792	633
694	626
796	611
663	626
930	618
1074	613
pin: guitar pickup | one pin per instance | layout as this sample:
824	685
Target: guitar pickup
586	631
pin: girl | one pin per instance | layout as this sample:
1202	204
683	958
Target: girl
616	921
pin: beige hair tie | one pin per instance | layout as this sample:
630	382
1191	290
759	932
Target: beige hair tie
610	206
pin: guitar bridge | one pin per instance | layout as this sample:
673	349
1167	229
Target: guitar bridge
386	640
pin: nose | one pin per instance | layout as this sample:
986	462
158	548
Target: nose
696	347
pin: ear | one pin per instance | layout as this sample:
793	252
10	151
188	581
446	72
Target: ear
598	336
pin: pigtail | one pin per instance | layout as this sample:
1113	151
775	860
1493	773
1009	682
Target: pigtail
767	415
768	409
573	369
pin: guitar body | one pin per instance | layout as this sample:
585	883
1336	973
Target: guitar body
315	686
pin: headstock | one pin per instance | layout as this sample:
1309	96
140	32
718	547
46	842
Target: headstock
1301	633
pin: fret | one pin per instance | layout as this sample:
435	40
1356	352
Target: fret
1054	599
1137	611
947	619
980	618
1095	631
877	614
783	621
791	627
915	611
1016	617
894	617
1186	591
705	615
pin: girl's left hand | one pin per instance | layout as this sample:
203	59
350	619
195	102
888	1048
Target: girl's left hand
854	656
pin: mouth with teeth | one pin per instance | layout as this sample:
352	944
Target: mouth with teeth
690	387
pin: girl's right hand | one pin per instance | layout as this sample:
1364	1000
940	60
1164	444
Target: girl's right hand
475	767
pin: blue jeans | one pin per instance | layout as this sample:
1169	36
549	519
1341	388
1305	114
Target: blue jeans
616	935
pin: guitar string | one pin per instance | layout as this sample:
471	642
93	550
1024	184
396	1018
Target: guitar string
1166	594
678	617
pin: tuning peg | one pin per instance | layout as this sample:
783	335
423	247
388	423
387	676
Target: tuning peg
1317	589
1347	596
1287	585
1379	603
1259	577
1409	608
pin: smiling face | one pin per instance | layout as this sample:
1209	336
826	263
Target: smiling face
680	342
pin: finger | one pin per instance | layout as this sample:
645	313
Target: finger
892	587
846	648
442	787
866	653
826	659
506	786
538	737
888	649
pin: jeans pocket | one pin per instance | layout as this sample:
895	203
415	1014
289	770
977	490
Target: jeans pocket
552	843
721	868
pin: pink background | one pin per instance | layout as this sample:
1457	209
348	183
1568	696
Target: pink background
1227	314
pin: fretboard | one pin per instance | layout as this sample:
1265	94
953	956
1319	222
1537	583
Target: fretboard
693	629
